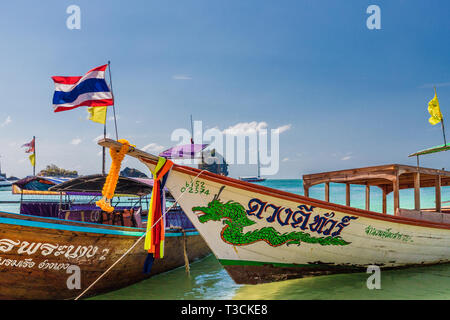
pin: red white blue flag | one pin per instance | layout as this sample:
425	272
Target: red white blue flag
90	90
30	146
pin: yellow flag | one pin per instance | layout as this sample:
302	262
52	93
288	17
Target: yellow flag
97	114
32	159
434	110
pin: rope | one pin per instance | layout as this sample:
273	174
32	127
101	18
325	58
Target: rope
135	244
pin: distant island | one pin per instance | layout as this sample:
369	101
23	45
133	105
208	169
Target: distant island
214	162
54	171
132	173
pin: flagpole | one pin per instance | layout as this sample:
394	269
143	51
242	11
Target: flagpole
103	148
443	131
442	120
34	155
112	93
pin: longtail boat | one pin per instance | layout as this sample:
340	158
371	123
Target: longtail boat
260	234
50	240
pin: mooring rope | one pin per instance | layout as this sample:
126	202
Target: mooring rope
135	244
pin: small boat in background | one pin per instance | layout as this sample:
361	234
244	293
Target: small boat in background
59	229
258	177
5	184
252	179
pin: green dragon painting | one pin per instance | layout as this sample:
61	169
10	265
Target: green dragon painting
235	220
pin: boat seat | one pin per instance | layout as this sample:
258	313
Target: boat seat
431	216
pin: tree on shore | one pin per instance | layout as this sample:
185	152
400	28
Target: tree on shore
54	171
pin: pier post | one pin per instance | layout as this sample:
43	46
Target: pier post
384	200
367	197
417	191
347	194
327	191
396	187
438	193
306	190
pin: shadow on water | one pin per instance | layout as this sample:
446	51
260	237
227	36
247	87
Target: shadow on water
208	280
431	282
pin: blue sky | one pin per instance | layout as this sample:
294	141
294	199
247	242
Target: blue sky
352	96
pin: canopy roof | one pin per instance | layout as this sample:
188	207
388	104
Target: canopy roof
186	151
381	176
36	185
442	147
94	184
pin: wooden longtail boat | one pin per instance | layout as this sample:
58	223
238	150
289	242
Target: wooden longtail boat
41	250
261	234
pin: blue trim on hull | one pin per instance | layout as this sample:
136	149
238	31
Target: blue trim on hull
57	219
39	224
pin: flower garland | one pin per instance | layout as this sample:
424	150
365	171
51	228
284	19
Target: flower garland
113	176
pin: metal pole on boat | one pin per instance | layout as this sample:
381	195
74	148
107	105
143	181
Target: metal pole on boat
442	121
192	131
34	154
257	153
112	93
104	148
443	131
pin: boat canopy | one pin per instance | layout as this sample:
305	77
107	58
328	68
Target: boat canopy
93	184
442	147
36	185
390	178
186	151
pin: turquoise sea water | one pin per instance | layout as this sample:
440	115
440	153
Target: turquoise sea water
208	280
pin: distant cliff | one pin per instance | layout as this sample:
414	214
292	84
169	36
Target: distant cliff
214	162
132	173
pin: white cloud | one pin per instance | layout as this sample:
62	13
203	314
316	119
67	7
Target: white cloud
245	128
76	141
346	158
153	147
7	121
100	137
181	77
284	128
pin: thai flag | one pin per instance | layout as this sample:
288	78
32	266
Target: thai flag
30	146
90	90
